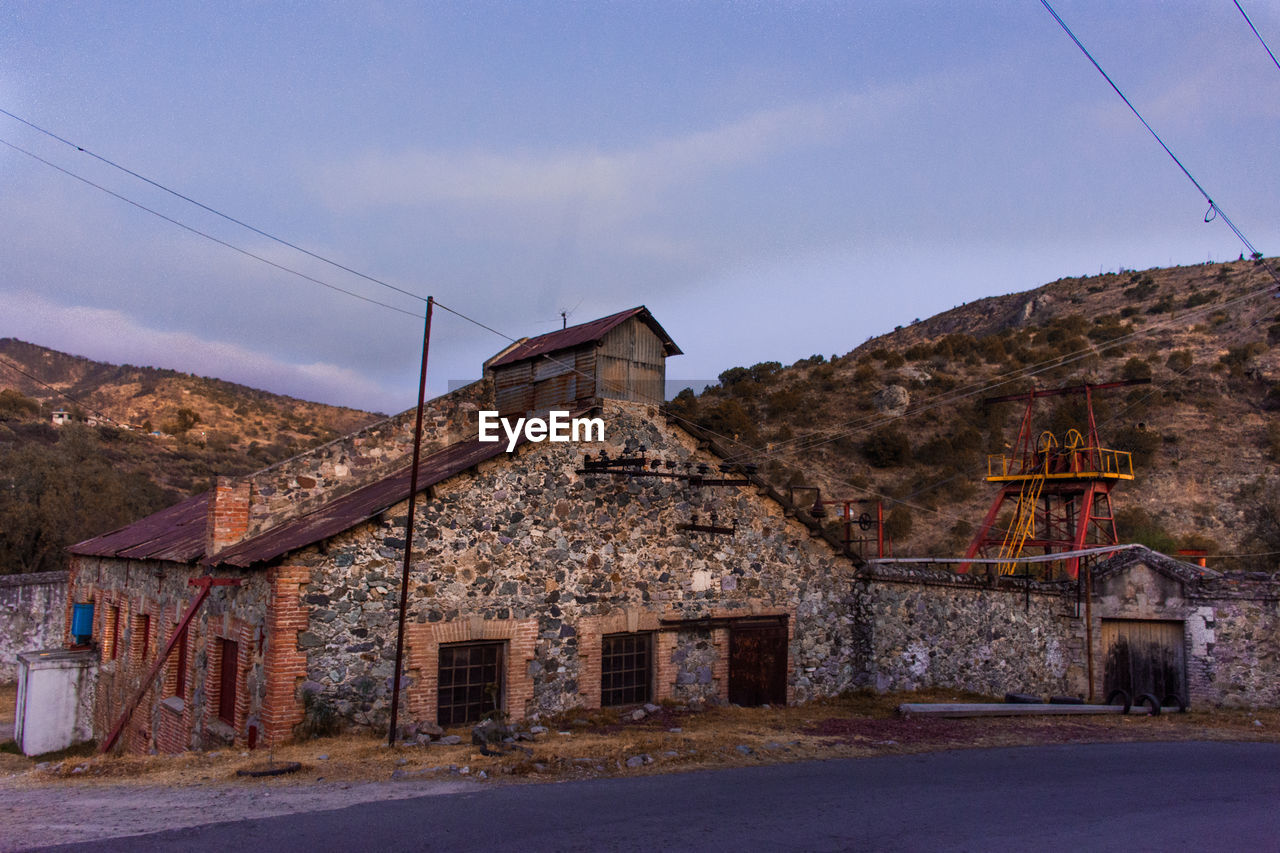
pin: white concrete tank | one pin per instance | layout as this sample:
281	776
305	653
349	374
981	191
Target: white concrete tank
55	699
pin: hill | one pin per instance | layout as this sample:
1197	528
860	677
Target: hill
59	485
901	416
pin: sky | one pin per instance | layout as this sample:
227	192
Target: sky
773	180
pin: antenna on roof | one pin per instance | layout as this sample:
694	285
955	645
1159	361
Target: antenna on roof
565	312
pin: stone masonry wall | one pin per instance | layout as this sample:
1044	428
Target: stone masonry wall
1235	651
32	616
294	486
922	629
526	538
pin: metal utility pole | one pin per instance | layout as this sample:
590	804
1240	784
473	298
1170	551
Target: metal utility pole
408	527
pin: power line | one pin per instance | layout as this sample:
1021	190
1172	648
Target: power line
1214	209
1258	34
205	234
209	209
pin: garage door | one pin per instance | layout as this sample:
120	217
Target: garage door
1144	656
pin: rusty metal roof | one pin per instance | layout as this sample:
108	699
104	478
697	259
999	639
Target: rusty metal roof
582	334
359	506
176	534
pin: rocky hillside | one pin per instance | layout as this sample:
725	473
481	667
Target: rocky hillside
109	466
901	416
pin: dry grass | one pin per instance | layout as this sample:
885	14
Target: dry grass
600	743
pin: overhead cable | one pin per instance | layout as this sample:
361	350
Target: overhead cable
205	234
209	209
1256	33
1214	210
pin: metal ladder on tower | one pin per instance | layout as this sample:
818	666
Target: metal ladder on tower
1024	523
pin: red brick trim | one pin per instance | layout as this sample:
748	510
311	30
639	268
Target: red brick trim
284	665
243	634
591	631
422	642
228	514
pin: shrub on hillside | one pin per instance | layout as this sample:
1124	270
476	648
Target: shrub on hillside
1136	368
1135	524
887	447
1179	361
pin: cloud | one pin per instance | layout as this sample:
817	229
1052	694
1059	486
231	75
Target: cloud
614	180
114	336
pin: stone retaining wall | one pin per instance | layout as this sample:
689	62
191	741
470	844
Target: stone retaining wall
921	628
32	616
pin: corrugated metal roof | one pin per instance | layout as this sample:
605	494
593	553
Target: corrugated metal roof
175	534
359	506
581	334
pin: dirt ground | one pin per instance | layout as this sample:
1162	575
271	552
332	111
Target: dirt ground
103	796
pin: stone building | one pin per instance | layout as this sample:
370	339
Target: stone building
541	580
559	575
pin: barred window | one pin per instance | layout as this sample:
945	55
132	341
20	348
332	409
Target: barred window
470	682
626	669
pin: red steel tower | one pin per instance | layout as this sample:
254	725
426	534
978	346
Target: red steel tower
1059	493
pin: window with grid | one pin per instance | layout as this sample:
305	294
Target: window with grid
470	682
227	681
625	669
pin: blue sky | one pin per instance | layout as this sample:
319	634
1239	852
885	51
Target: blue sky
772	179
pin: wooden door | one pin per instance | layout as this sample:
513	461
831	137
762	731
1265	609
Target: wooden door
1144	656
758	662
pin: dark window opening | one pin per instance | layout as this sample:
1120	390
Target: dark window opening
470	682
227	681
142	637
114	613
626	671
180	666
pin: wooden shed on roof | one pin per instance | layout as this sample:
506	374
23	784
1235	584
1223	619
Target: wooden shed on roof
619	357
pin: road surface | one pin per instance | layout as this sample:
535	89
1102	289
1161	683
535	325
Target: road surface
1129	796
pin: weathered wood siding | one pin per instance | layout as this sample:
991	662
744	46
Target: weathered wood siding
632	364
561	380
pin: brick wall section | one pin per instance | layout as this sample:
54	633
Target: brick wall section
228	514
284	664
422	644
162	592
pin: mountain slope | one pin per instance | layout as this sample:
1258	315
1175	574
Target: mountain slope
901	415
59	485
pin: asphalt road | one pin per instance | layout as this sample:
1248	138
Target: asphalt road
1132	796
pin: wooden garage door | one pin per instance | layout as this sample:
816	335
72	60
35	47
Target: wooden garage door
758	662
1144	656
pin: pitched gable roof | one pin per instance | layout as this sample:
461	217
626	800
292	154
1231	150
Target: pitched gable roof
582	334
176	534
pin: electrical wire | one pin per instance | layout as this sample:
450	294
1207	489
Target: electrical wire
209	209
4	362
1214	209
1258	34
205	234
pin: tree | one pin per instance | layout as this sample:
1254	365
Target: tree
15	405
52	496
